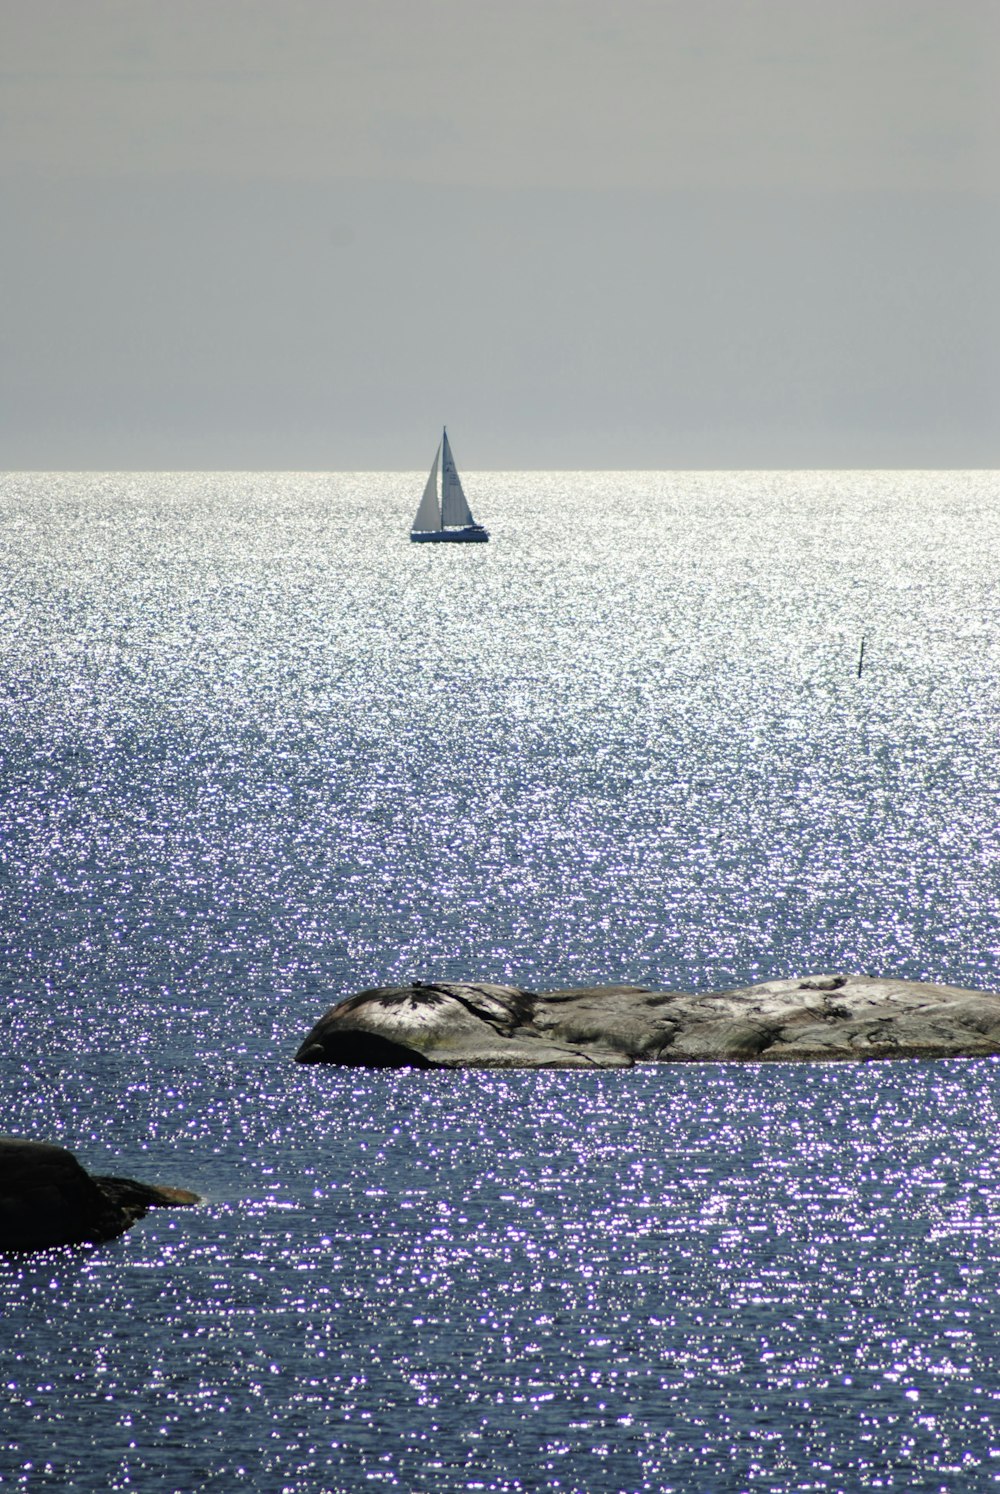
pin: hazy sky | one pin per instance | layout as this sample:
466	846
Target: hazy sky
649	233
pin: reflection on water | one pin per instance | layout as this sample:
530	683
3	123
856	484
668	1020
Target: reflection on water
678	1278
258	752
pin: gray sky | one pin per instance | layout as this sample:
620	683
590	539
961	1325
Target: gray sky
654	233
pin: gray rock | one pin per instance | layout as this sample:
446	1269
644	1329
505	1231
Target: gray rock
457	1024
47	1199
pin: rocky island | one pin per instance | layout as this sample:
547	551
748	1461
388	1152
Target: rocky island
47	1199
457	1024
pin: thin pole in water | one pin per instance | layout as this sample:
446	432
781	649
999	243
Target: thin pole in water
861	656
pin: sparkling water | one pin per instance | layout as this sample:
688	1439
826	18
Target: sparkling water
257	752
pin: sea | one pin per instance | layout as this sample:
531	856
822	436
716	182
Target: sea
259	752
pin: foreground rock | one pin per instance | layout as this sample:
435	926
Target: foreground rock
465	1025
47	1199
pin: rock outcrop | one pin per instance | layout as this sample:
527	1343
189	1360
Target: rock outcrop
451	1024
47	1199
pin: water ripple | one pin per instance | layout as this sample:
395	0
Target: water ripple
258	754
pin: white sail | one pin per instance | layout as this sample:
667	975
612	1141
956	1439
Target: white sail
454	505
448	518
428	515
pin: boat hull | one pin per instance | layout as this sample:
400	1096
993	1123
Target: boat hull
469	534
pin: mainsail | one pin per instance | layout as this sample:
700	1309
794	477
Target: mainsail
454	505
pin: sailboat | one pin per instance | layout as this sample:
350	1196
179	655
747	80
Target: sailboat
446	515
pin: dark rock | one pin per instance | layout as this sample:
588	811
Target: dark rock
453	1024
47	1199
